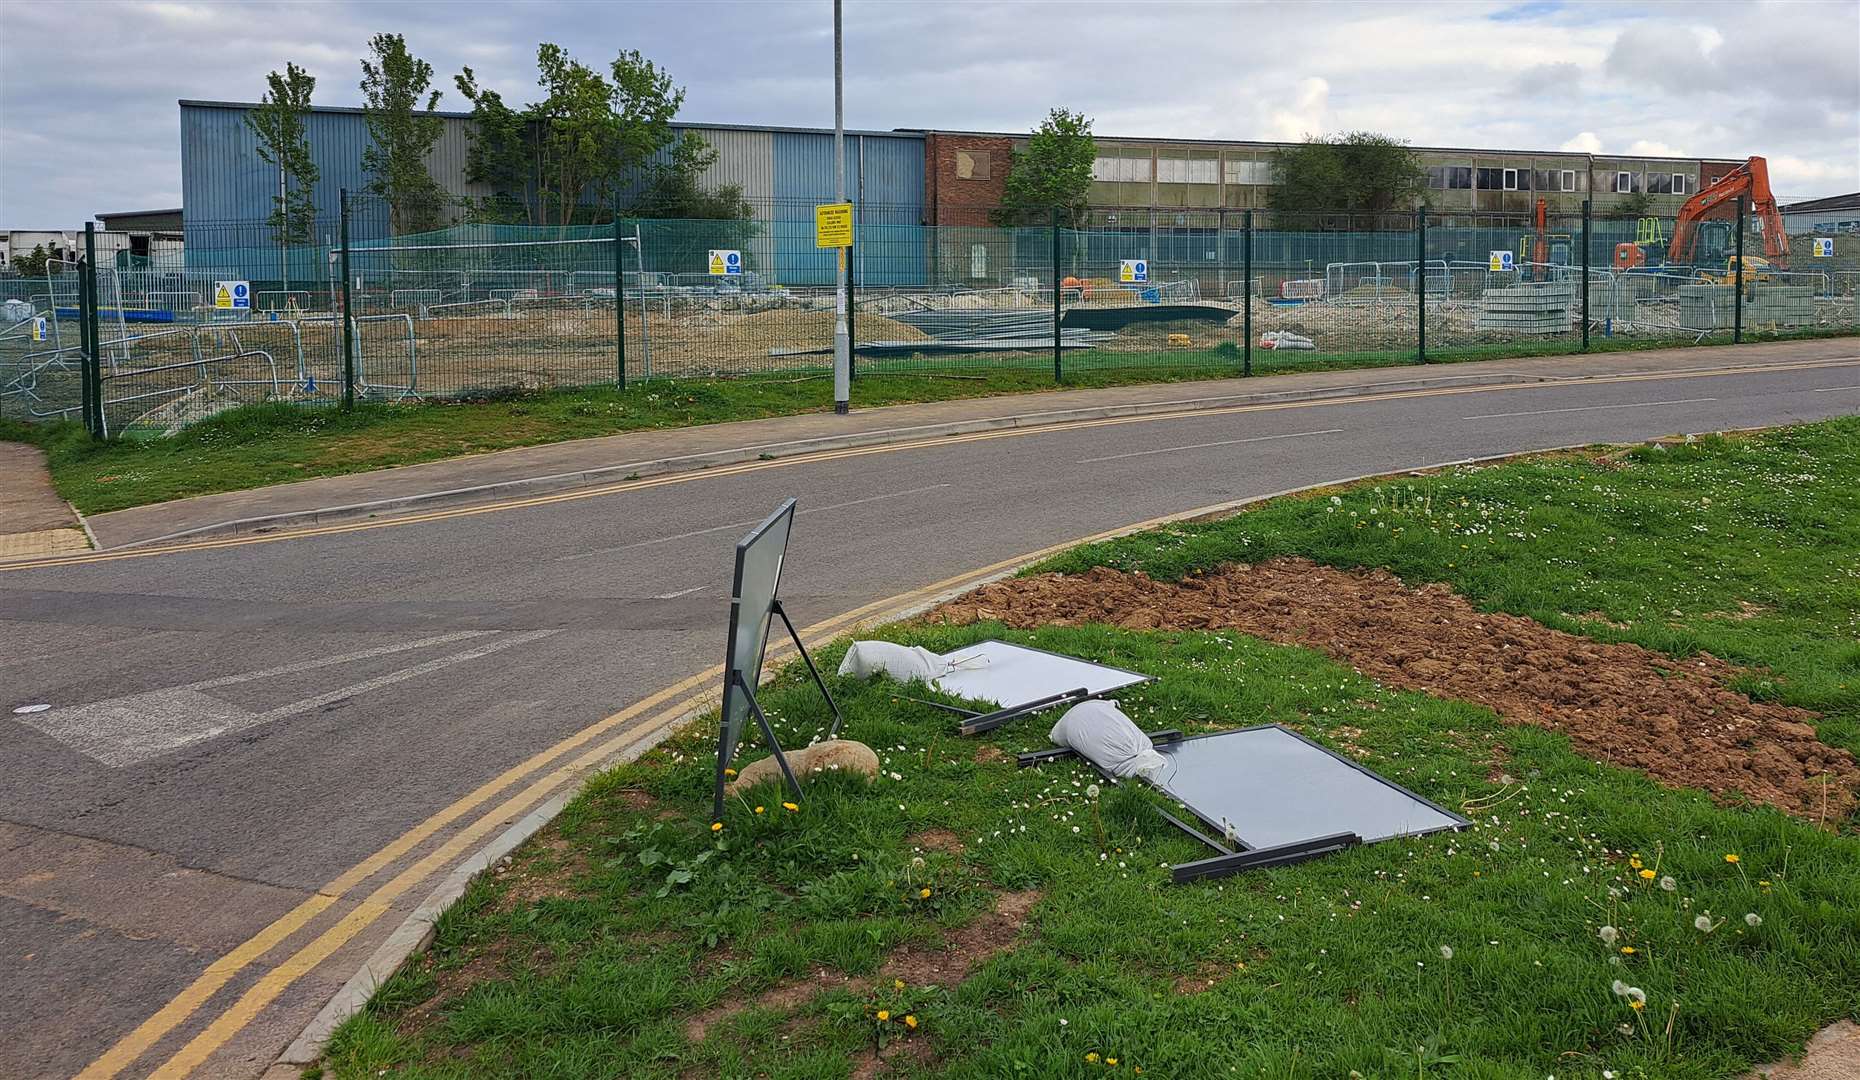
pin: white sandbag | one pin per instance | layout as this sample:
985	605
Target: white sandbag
1100	732
901	662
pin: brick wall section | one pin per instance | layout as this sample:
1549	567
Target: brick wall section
948	198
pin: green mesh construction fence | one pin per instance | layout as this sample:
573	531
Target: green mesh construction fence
475	308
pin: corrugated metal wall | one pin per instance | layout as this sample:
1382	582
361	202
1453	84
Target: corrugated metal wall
884	176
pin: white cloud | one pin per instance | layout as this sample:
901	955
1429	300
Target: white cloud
1653	148
1585	142
181	13
1304	114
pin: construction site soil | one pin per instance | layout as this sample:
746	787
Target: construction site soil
1675	720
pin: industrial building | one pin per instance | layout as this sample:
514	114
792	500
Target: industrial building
1179	192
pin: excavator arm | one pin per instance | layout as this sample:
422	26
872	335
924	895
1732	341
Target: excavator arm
1752	178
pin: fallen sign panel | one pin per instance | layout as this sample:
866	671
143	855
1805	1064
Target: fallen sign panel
1021	679
1269	797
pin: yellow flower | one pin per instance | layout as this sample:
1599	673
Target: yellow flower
716	826
924	893
884	1014
729	772
1763	883
1112	1062
758	809
790	806
910	1021
1634	862
1730	858
1637	1005
1092	1057
1648	874
897	984
1628	950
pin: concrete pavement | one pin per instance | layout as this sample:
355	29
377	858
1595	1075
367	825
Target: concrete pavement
263	751
33	519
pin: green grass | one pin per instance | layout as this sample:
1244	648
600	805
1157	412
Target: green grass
272	444
1319	969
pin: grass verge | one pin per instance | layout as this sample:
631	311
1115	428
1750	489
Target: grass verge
262	445
630	939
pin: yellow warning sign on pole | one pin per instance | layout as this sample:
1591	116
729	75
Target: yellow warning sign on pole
833	225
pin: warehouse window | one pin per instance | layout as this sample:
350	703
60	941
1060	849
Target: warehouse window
1490	179
1511	179
1624	183
1121	169
1187	171
972	164
1545	180
1249	172
1659	184
1459	176
1682	184
1569	179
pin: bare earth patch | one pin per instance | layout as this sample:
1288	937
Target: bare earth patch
1675	720
1833	1054
936	840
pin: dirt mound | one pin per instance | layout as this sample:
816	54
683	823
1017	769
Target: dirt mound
1675	720
793	329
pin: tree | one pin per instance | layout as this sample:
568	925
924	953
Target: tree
32	265
595	130
1359	172
278	124
1053	172
392	87
674	187
1636	205
503	151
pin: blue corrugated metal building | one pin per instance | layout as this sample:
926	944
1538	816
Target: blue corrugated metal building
227	189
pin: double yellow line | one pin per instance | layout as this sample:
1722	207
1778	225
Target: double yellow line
597	743
888	448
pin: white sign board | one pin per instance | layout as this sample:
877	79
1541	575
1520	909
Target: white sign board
1133	271
38	328
1824	247
1500	260
726	263
232	295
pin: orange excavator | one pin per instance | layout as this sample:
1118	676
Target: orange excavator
1707	219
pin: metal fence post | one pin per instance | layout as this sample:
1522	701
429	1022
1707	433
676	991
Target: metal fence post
93	356
1058	370
1737	304
1246	294
1587	217
852	304
348	309
1420	292
619	302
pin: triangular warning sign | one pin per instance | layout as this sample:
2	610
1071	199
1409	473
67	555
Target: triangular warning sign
223	298
716	263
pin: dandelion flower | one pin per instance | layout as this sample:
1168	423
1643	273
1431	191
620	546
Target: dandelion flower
716	826
1111	1061
1620	988
917	862
1703	922
884	1015
1753	920
1628	950
791	807
1446	952
1636	996
897	984
1634	862
910	1021
759	809
923	894
1668	884
1092	1057
1608	934
1731	858
1637	1005
1647	874
1091	791
729	772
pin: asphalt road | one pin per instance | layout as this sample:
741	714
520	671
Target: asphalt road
233	728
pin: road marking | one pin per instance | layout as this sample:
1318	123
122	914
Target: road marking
681	592
343	658
887	448
1207	445
1832	389
136	728
1591	408
151	1031
744	525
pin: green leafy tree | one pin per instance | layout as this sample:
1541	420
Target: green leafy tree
674	187
1357	172
595	130
32	264
278	124
403	132
1053	172
503	153
1636	205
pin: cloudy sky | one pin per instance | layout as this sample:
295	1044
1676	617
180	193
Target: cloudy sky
88	120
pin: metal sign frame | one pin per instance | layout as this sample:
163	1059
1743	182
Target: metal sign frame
974	723
1236	855
739	684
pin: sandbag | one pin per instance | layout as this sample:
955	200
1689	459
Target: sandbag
901	662
1101	733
